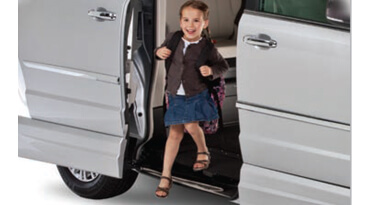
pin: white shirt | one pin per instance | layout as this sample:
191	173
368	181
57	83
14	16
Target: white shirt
181	90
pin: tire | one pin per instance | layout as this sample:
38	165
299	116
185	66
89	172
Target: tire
98	186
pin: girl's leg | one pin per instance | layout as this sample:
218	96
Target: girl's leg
196	132
172	147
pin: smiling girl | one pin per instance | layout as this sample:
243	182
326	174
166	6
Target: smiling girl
188	96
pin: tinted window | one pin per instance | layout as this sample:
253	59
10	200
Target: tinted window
314	10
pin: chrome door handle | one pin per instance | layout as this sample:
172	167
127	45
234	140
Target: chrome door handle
258	41
102	14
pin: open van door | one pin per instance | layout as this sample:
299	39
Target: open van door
294	102
72	56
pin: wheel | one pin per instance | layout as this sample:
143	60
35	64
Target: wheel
96	186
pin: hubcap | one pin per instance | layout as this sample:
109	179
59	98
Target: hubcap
82	175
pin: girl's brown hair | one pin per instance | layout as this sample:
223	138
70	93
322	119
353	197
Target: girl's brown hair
200	5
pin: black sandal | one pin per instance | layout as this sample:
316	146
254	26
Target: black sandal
164	189
204	162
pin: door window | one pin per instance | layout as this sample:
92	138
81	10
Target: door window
314	10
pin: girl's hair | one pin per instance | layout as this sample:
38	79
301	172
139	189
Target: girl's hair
200	5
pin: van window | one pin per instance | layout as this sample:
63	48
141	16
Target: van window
314	10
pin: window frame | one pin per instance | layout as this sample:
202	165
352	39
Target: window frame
252	7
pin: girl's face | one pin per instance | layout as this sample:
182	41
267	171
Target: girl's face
192	23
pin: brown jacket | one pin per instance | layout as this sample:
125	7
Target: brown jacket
183	67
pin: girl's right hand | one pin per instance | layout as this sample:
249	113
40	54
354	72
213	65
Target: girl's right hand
163	53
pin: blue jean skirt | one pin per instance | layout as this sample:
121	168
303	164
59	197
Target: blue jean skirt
182	109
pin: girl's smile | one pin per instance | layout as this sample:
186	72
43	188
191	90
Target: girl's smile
192	23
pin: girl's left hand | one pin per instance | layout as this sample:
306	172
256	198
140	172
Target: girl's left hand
205	71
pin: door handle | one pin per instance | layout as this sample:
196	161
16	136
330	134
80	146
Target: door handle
102	14
261	41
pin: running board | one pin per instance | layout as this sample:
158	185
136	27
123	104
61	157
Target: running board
189	183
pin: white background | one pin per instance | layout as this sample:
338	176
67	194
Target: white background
42	184
25	181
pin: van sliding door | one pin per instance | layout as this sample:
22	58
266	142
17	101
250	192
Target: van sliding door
293	88
71	53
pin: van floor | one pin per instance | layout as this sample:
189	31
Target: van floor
226	162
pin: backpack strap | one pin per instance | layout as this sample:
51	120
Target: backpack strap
172	45
204	54
202	60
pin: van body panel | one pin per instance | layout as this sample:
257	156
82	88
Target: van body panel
70	147
262	186
294	104
72	63
296	147
73	98
308	73
71	58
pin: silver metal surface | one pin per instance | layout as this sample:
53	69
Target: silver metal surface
297	20
335	19
138	88
255	41
294	111
309	73
263	186
339	11
70	147
82	175
72	72
296	147
189	183
245	106
66	97
73	40
75	77
103	15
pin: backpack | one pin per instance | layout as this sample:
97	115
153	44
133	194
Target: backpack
216	87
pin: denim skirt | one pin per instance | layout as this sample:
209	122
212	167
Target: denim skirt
182	109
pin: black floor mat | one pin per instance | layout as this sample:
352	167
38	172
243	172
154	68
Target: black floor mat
225	164
222	164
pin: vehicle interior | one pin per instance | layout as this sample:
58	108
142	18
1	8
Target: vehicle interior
222	177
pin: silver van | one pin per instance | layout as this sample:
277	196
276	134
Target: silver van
94	94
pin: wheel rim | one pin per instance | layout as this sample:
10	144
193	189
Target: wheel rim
82	175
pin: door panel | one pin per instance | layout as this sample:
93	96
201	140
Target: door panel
71	147
293	90
73	63
291	146
76	99
308	73
61	33
263	186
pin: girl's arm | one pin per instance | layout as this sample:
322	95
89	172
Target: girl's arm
164	44
218	64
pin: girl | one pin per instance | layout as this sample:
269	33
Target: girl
189	100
